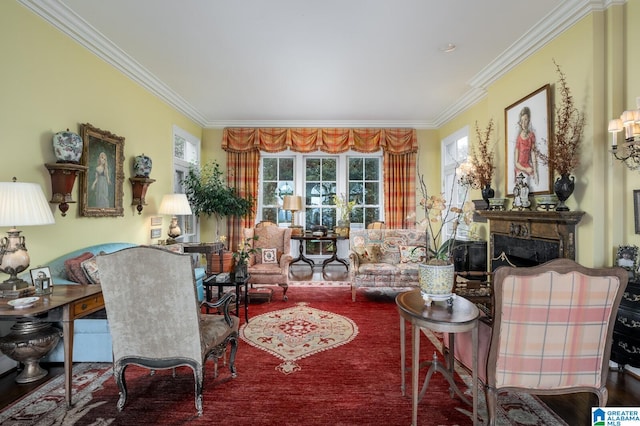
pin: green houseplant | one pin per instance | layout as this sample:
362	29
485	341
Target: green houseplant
209	194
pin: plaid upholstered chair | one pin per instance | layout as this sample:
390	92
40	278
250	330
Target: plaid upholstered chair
552	329
270	266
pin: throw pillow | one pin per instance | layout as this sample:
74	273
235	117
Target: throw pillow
73	268
90	269
269	255
412	254
371	254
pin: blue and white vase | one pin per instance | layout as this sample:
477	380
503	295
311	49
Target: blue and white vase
142	166
67	146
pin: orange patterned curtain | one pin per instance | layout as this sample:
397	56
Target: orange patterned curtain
399	188
242	174
400	146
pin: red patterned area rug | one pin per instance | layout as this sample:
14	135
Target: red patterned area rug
355	383
298	332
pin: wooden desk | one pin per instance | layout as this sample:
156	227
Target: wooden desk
458	317
334	258
66	304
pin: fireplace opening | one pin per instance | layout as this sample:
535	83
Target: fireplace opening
513	251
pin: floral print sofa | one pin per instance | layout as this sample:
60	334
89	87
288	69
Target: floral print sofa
385	258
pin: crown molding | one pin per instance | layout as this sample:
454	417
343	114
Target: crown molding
552	25
322	124
548	28
65	20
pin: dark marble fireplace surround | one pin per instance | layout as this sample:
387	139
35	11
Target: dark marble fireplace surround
527	238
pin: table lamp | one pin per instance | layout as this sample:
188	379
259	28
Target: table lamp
293	203
23	204
175	205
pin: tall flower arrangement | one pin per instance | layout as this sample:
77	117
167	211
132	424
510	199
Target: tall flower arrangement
438	216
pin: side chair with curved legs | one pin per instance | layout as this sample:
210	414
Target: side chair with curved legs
155	317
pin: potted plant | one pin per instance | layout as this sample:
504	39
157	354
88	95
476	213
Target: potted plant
482	161
564	144
345	208
242	255
208	194
437	273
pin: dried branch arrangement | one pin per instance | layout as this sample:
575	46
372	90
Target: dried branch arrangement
482	158
564	146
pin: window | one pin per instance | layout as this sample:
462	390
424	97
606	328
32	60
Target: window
317	178
186	152
455	149
365	189
277	181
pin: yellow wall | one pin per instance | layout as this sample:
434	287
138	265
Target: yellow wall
50	83
591	54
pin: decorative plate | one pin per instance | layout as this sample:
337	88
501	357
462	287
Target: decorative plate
23	302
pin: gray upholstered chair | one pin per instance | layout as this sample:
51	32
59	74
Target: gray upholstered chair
155	317
270	237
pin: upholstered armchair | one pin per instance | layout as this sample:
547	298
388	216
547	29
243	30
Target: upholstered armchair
155	317
270	265
551	332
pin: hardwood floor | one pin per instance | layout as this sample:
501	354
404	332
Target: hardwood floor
575	409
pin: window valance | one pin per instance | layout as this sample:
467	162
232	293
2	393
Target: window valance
329	140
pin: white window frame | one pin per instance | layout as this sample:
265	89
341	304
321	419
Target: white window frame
180	169
454	151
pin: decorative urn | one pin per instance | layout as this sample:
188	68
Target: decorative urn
67	146
142	166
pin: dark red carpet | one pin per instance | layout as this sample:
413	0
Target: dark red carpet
354	384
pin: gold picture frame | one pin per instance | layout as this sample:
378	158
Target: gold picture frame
102	183
537	106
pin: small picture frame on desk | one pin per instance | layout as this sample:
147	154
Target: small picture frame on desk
42	281
627	258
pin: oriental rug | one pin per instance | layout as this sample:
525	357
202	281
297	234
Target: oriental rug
352	384
298	332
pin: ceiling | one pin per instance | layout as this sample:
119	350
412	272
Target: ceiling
324	63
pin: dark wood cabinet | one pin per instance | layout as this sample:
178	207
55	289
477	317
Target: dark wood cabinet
626	334
470	256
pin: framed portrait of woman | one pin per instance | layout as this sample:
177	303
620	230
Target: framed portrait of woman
102	183
527	130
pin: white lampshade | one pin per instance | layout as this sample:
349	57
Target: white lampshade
627	118
175	204
615	125
292	203
23	204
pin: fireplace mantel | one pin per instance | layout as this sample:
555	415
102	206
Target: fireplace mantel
539	235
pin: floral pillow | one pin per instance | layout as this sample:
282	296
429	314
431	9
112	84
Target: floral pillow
412	254
270	255
90	269
370	253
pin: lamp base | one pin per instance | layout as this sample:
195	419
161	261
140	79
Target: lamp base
14	283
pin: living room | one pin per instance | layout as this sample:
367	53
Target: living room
50	83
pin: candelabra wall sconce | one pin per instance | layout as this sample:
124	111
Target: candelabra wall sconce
628	152
139	190
63	177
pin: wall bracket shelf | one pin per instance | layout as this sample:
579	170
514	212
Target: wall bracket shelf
63	177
